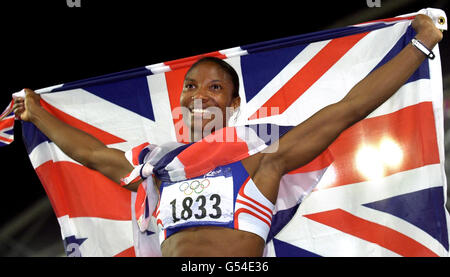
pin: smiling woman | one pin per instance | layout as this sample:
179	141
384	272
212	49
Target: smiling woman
236	203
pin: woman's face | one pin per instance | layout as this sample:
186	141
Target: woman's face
208	98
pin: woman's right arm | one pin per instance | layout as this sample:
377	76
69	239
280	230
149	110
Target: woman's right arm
80	146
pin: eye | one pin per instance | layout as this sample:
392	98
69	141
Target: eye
216	87
189	86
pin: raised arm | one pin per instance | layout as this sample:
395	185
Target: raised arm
77	144
307	140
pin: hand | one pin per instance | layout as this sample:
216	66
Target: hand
426	30
24	108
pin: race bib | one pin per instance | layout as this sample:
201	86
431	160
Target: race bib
201	201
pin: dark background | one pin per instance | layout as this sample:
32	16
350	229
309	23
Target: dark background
45	43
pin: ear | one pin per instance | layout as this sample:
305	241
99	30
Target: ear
236	102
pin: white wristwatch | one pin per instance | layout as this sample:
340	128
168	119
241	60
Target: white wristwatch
419	45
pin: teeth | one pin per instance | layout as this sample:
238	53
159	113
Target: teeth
200	111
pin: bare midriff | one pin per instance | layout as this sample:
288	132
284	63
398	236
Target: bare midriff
212	241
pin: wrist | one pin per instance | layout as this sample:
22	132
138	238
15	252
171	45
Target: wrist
429	37
424	49
36	113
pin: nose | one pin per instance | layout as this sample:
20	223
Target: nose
200	94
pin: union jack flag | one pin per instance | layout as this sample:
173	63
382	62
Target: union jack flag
378	190
7	125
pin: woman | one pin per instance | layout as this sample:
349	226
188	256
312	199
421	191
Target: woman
210	83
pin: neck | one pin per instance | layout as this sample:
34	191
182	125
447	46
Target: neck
195	136
198	134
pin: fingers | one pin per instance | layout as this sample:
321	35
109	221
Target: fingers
425	27
19	106
31	94
28	91
18	102
25	103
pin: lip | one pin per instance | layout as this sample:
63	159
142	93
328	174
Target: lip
200	114
200	111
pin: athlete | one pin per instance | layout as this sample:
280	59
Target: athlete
212	83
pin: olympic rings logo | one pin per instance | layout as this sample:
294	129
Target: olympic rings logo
194	186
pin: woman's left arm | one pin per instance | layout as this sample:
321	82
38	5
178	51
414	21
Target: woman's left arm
306	141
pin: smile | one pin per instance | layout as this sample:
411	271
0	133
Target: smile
200	111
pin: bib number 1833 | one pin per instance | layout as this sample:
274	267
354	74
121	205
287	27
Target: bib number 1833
198	200
186	213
